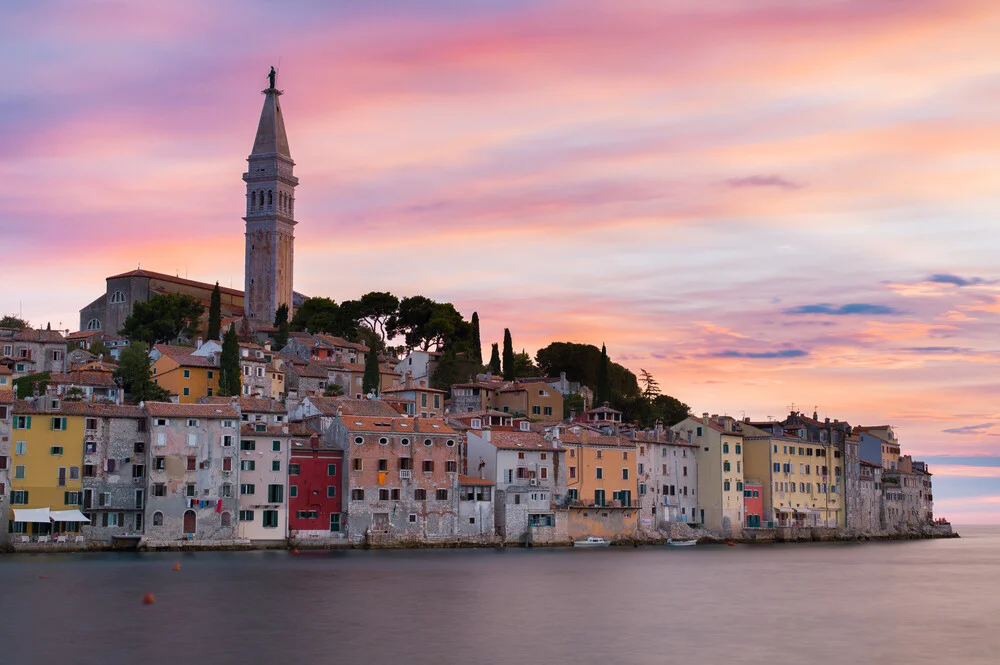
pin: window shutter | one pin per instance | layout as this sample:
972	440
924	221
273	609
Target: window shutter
28	424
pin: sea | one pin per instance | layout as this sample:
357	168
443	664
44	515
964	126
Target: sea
912	602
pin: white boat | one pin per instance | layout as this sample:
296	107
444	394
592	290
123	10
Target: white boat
681	543
593	541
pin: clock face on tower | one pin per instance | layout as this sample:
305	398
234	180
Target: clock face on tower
269	217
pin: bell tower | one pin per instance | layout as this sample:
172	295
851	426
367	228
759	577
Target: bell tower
270	211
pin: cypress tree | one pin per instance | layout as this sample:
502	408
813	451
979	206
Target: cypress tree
371	381
477	345
508	356
494	365
229	364
215	314
281	323
603	380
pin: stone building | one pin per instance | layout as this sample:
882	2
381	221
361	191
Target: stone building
926	490
475	509
256	380
869	498
528	469
192	471
475	396
533	398
844	449
401	482
318	413
114	469
91	382
667	473
6	422
32	351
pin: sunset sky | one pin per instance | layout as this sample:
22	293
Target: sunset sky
763	203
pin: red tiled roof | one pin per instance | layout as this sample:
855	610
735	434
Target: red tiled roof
520	441
6	396
163	277
94	409
328	406
472	481
403	389
169	409
398	424
5	370
586	439
41	336
269	430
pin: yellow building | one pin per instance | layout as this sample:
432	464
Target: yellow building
535	399
46	459
601	484
720	470
6	378
188	376
801	479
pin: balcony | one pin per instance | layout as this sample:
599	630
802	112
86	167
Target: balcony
405	474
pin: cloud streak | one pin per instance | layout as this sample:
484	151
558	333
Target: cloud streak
851	309
763	181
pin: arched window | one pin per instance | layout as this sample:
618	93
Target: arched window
117	297
227	519
157	518
94	324
190	521
270	198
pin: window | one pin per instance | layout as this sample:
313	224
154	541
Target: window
270	520
138	471
227	440
600	454
248	445
247	488
59	423
359	440
383	441
383	465
293	491
685	471
441	495
536	410
450	443
19	472
725	466
624	474
739	449
428	442
192	463
117	297
598	497
357	494
56	450
331	491
159	463
293	469
93	324
699	431
777	467
383	494
419	495
726	485
21	448
335	522
600	473
543	472
428	466
739	486
572	472
275	493
404	442
190	489
227	490
246	516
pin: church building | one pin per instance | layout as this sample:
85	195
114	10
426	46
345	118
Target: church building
269	237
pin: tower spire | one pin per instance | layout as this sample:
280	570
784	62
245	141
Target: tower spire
270	209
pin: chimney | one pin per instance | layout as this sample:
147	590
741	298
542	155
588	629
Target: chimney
267	345
827	421
704	418
198	343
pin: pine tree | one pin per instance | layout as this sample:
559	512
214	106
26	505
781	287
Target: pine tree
371	381
215	314
494	365
603	380
229	364
477	345
48	326
281	323
509	373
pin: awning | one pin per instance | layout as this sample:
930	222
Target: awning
37	515
68	516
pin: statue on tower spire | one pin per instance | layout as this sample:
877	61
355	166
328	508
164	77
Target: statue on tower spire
271	76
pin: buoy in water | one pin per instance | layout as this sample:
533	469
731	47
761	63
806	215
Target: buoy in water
177	566
295	551
731	544
148	599
43	577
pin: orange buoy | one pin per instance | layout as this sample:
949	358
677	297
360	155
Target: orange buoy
177	566
148	599
295	551
43	577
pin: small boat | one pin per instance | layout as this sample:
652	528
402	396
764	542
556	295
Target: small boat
593	541
681	543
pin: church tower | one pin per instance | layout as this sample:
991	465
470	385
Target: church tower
270	214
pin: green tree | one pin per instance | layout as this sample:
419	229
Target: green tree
669	410
453	367
573	403
98	348
603	391
523	366
494	365
371	383
162	319
477	344
26	385
229	364
581	362
135	375
281	323
375	308
215	314
650	387
74	394
425	324
48	326
11	321
333	390
508	356
322	315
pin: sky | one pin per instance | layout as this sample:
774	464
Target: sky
768	205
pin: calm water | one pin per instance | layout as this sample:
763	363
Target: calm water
908	602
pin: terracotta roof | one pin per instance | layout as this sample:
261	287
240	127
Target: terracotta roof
95	409
480	414
403	389
248	404
476	384
174	349
340	341
586	439
520	441
313	370
269	430
169	409
31	335
84	378
5	370
6	396
470	480
328	406
867	463
603	409
163	277
398	424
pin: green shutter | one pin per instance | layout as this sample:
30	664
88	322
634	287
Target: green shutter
29	423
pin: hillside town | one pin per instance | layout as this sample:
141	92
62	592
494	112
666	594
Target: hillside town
257	426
